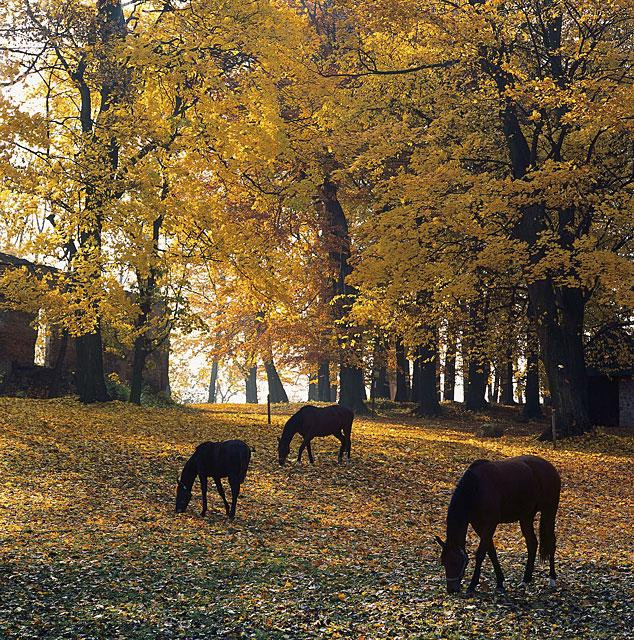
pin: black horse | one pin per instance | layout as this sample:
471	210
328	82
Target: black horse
488	493
229	459
313	422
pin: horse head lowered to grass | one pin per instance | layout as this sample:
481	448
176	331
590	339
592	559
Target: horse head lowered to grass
316	422
229	459
511	490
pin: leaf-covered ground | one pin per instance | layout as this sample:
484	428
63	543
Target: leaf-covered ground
90	546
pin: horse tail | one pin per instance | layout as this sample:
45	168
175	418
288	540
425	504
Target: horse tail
547	540
244	466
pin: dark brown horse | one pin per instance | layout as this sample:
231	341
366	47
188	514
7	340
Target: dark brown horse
489	493
229	459
314	422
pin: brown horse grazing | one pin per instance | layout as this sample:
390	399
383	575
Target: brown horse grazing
313	422
511	490
229	459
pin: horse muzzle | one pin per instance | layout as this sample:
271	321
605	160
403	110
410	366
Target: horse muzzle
453	587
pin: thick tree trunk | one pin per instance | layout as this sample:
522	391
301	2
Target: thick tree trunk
476	385
138	365
89	376
559	309
277	392
333	393
352	388
323	382
560	326
212	396
402	374
428	393
252	385
450	368
351	382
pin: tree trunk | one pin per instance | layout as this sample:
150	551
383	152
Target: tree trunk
496	384
277	393
323	381
313	395
212	397
138	364
380	383
252	385
351	383
58	366
402	374
560	327
476	385
559	309
89	376
450	367
506	396
352	388
428	394
333	393
474	362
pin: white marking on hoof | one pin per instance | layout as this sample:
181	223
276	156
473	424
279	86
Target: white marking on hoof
552	582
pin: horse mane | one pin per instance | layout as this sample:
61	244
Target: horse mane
190	470
463	497
291	426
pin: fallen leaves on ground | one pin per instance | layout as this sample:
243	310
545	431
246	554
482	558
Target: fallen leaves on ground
91	547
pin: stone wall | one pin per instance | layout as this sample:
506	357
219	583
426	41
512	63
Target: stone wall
17	337
626	402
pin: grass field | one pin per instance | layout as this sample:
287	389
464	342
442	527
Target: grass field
90	546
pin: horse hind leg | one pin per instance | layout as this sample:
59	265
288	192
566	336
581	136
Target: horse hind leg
221	491
348	433
342	439
234	483
531	545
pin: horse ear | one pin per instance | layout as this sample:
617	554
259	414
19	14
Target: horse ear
439	541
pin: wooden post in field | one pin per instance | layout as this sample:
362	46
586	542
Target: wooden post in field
268	408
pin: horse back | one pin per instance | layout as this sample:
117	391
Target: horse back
325	421
228	459
516	488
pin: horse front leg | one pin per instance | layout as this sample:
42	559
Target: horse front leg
310	453
203	490
499	575
221	491
302	446
486	542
